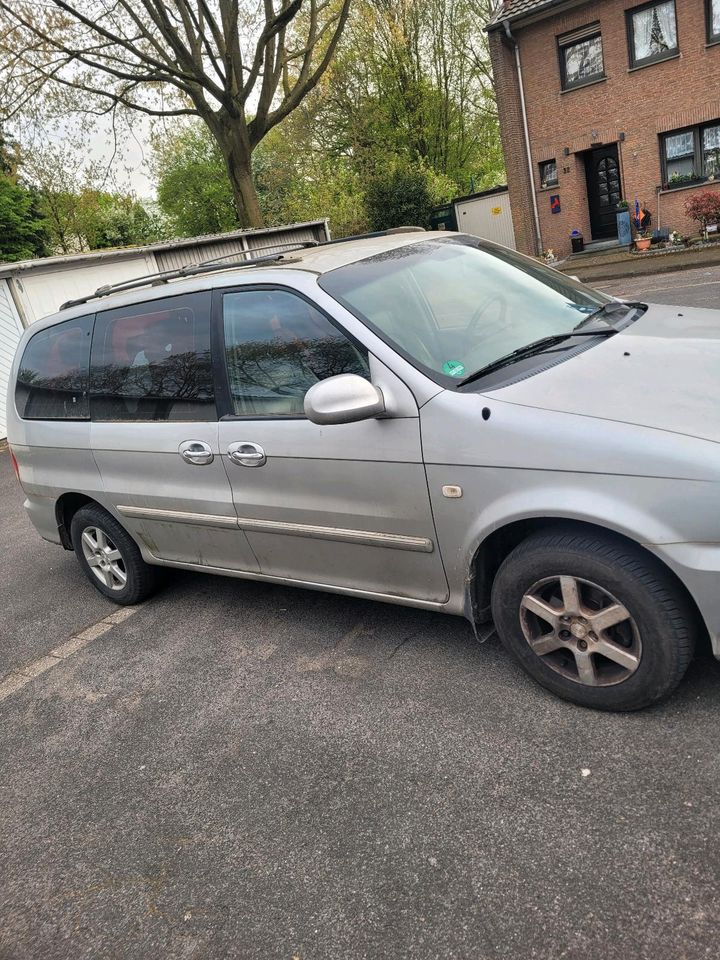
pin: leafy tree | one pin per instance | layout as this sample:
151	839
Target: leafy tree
82	212
92	219
22	227
23	231
296	182
8	155
193	187
293	183
240	66
412	80
116	220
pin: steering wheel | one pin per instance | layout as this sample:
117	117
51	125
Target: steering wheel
479	313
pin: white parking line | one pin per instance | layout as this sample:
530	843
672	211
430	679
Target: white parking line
21	676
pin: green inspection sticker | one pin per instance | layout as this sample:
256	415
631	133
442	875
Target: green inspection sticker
453	368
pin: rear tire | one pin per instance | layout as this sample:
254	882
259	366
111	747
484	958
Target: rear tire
110	557
593	619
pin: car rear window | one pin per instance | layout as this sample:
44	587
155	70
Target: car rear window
52	382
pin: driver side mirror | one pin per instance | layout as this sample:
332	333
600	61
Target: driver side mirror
346	398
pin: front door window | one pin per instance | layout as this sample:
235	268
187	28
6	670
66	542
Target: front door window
608	182
278	345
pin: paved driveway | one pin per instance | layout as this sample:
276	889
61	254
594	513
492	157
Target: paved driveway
239	770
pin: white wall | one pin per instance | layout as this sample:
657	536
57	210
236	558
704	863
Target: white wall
10	331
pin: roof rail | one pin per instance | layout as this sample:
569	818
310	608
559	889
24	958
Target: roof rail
377	233
191	270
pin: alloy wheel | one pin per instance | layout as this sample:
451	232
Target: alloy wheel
581	631
104	558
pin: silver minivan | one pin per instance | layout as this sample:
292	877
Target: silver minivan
425	419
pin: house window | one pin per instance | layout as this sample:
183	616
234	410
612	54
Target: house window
581	56
711	150
652	33
548	174
680	157
690	155
713	20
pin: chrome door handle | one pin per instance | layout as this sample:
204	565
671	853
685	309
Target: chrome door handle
196	452
247	454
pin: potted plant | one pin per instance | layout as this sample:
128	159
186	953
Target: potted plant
643	240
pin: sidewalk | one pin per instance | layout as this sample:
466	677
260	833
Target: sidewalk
619	262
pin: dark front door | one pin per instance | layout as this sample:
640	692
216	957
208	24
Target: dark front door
604	193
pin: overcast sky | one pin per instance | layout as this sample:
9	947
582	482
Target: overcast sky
130	168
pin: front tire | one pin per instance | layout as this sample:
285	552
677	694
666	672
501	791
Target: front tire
110	557
593	619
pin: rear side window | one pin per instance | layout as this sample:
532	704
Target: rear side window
151	361
52	382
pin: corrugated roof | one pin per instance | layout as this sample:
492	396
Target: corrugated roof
120	253
514	9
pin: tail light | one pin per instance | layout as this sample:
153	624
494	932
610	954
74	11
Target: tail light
15	464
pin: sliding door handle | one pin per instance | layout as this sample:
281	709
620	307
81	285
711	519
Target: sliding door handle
196	452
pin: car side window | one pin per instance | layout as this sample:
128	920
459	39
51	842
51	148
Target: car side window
52	381
277	345
151	361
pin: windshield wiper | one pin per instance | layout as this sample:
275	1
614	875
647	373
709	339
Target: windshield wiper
537	346
613	310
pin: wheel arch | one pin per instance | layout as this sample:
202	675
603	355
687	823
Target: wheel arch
493	550
66	507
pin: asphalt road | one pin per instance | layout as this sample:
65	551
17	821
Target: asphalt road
244	771
689	288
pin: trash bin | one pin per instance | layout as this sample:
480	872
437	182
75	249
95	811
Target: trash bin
577	242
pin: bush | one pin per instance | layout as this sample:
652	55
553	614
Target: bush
704	208
404	195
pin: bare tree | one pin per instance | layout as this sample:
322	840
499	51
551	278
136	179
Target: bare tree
241	66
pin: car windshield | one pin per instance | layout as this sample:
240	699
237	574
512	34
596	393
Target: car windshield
454	305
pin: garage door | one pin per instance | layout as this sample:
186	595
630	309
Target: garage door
10	331
487	217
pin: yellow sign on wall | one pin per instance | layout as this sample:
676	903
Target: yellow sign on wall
496	211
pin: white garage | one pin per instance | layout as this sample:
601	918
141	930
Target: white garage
33	289
10	331
487	215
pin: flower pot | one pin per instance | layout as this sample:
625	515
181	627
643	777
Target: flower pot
643	243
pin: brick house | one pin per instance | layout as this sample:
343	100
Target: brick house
603	101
